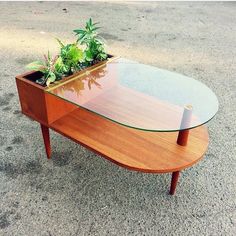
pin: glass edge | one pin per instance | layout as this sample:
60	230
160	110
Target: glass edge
129	126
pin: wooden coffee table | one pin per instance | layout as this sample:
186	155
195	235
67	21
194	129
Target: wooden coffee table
137	116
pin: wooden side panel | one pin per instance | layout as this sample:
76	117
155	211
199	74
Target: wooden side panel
57	107
39	105
32	100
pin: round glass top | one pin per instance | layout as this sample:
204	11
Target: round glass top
140	96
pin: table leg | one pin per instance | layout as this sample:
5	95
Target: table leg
174	181
46	139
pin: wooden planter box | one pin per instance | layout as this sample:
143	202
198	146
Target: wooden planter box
39	105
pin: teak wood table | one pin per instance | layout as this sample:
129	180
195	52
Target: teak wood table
137	116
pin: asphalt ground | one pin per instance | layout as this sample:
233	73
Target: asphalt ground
79	193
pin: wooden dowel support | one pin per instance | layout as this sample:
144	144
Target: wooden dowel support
185	124
183	137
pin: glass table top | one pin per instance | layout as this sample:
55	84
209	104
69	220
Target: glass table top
140	96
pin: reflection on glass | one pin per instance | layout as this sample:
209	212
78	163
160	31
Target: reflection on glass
140	96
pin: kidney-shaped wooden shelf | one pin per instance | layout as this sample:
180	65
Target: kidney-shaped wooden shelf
154	152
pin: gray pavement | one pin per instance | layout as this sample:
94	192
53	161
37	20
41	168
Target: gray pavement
79	193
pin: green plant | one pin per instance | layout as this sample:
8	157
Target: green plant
50	68
71	57
94	44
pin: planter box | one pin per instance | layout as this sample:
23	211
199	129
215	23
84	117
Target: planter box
39	105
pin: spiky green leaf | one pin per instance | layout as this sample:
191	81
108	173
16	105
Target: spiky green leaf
36	66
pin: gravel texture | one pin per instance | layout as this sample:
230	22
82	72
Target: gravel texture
79	193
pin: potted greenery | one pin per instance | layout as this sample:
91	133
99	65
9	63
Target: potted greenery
85	53
72	58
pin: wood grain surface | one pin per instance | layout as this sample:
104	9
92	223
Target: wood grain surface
154	152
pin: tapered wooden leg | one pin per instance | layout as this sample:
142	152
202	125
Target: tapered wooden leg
46	139
174	181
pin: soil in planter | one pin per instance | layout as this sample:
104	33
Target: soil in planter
35	76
